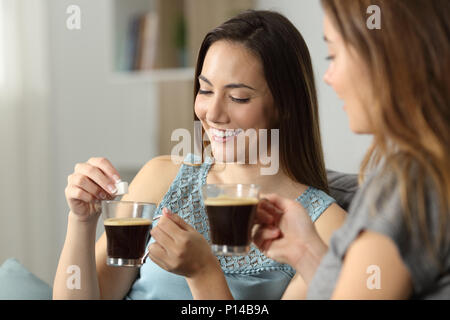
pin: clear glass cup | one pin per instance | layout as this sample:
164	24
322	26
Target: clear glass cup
127	226
231	209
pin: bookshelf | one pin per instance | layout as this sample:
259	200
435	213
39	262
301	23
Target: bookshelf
156	42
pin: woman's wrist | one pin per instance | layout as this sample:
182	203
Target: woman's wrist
88	222
309	258
76	228
200	283
207	270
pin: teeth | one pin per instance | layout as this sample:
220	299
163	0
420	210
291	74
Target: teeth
228	133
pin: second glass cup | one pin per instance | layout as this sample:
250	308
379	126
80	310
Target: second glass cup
231	209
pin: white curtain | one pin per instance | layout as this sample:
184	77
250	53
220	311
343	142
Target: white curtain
25	137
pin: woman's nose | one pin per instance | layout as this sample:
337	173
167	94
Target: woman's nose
216	112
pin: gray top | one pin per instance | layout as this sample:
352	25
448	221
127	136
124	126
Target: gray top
377	207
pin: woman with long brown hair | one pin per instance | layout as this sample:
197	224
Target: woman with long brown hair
395	82
253	72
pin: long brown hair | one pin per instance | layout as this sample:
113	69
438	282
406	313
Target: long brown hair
408	61
288	71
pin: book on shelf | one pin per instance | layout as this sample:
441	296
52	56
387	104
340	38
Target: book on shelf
147	42
131	44
142	42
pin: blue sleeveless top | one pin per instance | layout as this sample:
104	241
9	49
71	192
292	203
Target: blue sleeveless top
251	277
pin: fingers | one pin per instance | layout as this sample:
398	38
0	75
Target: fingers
161	236
267	213
79	180
270	207
172	230
177	219
277	201
77	193
106	166
264	236
96	175
158	255
262	215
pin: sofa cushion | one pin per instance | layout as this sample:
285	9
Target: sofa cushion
343	187
17	283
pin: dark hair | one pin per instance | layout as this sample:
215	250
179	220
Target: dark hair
288	72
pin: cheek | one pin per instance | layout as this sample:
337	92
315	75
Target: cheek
358	114
338	80
200	108
250	116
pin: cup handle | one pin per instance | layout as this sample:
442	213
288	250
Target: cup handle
145	255
147	250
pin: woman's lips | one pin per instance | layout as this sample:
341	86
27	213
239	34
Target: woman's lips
222	136
222	139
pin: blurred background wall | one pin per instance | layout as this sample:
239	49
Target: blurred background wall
68	94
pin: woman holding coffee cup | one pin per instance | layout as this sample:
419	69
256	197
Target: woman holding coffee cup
275	92
253	72
395	84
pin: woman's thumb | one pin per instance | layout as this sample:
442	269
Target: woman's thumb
176	218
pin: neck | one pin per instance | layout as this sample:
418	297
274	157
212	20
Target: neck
246	173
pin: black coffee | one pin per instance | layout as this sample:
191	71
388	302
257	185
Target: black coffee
127	237
230	220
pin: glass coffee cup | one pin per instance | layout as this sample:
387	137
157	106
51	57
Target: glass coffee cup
127	226
230	209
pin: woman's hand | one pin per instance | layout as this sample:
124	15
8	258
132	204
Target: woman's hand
285	231
90	183
180	249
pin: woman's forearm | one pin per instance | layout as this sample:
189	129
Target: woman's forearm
210	285
76	275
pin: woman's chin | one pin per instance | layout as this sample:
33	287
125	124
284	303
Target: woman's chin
223	155
359	129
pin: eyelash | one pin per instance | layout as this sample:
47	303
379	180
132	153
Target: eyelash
330	58
200	91
242	101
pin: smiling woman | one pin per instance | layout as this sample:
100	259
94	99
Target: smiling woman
242	82
233	97
278	85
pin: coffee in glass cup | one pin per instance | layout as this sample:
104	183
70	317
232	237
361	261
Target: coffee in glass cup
230	209
127	227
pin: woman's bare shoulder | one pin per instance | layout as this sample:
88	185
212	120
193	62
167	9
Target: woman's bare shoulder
153	180
329	221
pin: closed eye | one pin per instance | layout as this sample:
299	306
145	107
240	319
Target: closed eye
237	100
200	91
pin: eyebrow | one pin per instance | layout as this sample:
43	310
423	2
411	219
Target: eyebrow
228	86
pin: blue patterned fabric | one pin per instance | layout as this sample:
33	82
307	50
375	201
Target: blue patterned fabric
253	276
